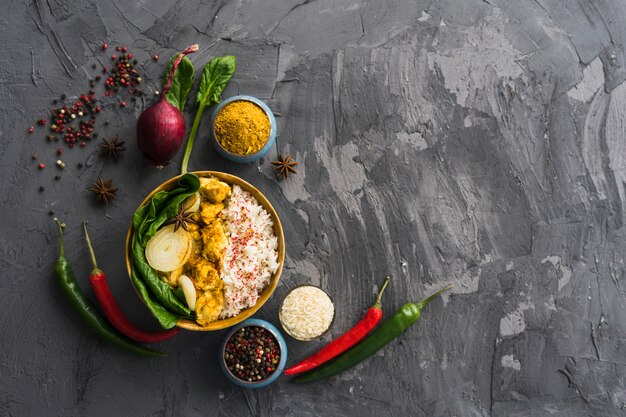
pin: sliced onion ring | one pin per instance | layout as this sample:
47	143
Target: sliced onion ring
192	203
168	250
189	290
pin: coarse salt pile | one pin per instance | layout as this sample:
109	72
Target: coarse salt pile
307	312
251	257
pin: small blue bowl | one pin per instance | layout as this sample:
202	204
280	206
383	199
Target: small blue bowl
281	344
245	159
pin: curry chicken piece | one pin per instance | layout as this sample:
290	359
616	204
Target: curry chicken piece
215	241
172	277
197	248
214	190
208	211
206	277
209	305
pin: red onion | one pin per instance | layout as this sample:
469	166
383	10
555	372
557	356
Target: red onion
161	127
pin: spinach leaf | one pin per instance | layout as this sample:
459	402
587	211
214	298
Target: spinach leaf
215	77
178	292
166	319
157	286
161	300
181	84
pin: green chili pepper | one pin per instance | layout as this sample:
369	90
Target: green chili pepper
87	311
391	328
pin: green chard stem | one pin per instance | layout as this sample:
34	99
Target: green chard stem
192	136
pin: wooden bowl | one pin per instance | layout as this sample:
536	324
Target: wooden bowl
278	231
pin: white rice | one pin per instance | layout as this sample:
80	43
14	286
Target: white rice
252	254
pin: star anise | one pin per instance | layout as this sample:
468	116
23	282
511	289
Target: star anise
112	148
284	166
104	190
181	219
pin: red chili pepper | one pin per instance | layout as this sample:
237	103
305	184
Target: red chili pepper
99	285
345	341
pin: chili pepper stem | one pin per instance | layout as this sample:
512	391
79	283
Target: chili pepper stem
430	298
91	251
380	293
61	245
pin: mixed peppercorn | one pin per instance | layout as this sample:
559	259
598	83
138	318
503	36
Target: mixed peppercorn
252	354
74	122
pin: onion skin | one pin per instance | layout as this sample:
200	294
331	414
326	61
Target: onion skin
160	132
161	127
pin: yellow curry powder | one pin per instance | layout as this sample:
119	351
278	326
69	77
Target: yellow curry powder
242	127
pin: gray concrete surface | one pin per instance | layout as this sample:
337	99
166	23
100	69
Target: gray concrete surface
481	143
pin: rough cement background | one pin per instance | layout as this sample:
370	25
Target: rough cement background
477	142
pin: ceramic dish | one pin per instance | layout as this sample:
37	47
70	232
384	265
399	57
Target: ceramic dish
281	363
278	231
302	339
261	152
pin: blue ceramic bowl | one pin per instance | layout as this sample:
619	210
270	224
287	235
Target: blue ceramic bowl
245	159
281	344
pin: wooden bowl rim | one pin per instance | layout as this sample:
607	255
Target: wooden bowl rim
278	231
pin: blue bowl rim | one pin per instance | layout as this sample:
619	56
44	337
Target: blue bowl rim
270	140
281	343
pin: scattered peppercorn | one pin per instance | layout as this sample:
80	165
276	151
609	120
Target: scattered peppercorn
74	122
252	354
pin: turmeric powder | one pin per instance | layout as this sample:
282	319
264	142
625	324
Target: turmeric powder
242	127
